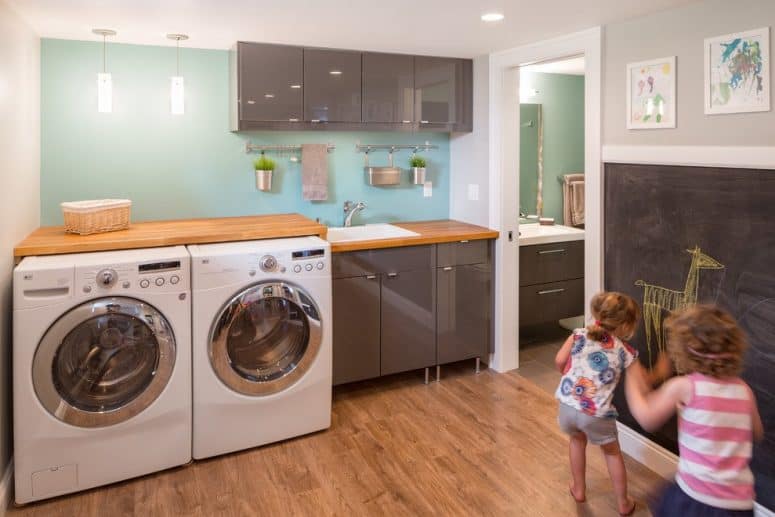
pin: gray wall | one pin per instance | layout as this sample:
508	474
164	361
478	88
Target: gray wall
680	32
20	192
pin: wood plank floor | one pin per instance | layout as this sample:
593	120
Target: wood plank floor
484	444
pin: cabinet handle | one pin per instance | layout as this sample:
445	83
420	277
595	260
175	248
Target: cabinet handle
547	252
551	291
315	120
371	277
293	120
464	242
448	268
406	121
423	122
392	275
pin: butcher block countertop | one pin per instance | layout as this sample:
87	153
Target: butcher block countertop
52	240
430	232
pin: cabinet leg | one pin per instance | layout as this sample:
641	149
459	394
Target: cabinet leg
478	361
438	372
427	375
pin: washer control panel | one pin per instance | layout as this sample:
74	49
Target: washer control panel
169	275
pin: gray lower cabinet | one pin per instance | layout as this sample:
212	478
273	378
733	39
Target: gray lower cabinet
408	321
356	328
463	312
551	279
395	310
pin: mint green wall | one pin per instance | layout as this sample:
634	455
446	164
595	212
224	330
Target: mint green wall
191	165
562	99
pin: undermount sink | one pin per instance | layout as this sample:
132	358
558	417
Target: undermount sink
368	232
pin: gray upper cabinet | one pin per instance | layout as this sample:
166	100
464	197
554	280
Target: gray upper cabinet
332	85
443	88
268	84
279	87
388	88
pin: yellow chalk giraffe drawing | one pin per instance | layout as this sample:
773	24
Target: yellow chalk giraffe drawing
657	298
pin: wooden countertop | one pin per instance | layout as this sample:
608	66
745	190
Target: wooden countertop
52	240
431	232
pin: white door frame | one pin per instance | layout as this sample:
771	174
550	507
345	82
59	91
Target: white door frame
504	175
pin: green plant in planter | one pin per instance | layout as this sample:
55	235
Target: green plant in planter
264	164
417	162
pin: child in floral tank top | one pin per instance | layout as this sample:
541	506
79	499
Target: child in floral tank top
592	361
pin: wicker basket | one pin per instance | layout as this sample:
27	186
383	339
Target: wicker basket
96	216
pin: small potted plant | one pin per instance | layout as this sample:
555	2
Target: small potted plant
417	163
264	167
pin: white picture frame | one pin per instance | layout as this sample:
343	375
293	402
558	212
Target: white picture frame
727	91
651	94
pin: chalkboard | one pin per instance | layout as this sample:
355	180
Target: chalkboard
704	233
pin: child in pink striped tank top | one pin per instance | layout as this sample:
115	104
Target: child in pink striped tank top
717	415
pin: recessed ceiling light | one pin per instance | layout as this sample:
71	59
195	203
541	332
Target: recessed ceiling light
335	72
295	86
492	17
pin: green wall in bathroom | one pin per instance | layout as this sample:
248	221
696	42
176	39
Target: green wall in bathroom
561	98
191	165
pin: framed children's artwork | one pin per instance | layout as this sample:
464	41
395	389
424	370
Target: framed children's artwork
737	72
651	96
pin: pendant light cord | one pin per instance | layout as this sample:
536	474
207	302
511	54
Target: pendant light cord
177	52
104	54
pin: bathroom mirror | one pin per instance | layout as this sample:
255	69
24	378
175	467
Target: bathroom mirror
531	162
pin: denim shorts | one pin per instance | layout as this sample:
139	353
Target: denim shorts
599	430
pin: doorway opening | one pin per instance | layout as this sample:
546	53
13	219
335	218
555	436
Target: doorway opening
551	212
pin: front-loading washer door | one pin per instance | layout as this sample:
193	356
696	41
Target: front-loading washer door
265	338
104	362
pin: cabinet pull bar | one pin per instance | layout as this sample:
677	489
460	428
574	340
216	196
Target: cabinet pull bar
392	275
371	277
546	252
447	268
551	291
463	242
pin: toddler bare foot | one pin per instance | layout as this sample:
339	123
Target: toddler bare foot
578	495
628	508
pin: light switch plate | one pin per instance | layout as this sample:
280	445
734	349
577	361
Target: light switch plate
473	192
427	189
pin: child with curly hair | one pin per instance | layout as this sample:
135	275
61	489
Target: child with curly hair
717	415
592	360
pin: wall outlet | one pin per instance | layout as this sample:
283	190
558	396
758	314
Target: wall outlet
473	192
427	189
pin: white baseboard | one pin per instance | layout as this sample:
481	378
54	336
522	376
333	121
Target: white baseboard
692	155
6	488
659	459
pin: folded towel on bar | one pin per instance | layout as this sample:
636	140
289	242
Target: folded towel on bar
573	199
577	203
314	172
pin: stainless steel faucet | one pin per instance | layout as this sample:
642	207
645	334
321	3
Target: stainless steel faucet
350	209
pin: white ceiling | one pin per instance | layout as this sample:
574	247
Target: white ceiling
434	27
572	66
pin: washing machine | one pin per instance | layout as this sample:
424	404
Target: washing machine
101	368
262	348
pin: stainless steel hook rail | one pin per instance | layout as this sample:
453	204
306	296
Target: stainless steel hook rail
367	148
253	148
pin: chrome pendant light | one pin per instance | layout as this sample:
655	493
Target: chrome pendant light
104	79
177	92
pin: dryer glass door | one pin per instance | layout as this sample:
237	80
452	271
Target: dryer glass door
104	362
265	338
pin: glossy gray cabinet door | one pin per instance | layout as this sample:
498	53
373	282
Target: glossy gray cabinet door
270	82
408	321
332	85
356	329
388	88
443	92
463	303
